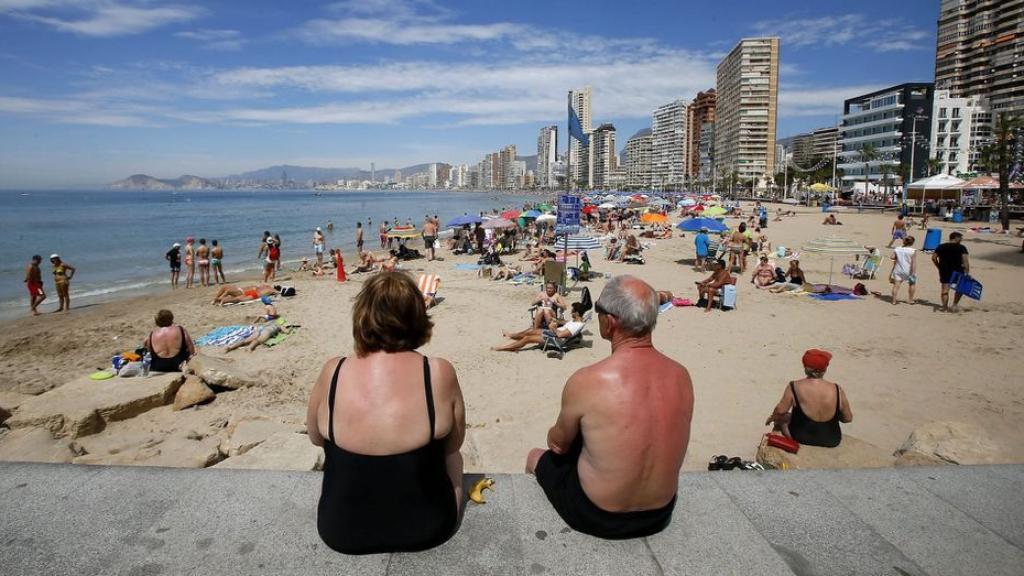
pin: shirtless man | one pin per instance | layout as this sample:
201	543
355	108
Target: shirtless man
203	259
709	286
34	282
190	261
263	247
548	303
899	231
738	246
217	263
612	467
318	246
231	294
429	236
173	257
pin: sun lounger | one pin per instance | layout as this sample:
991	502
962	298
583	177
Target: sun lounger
429	285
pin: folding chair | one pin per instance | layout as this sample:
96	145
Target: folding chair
429	285
727	292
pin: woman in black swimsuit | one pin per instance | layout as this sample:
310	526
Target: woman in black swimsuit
391	423
168	347
818	406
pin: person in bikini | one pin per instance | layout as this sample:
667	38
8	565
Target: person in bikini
203	259
34	283
260	336
217	263
529	336
611	469
62	274
190	262
231	294
549	303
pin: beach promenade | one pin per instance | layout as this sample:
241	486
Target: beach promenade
83	520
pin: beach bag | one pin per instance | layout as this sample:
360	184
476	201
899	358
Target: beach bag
728	296
130	369
287	291
780	276
966	285
860	289
782	443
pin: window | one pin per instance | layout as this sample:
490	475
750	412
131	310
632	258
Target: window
942	112
956	112
953	156
954	142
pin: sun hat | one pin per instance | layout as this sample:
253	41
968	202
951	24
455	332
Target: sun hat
52	256
175	245
816	359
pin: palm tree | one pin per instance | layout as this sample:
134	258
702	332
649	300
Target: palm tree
933	166
998	157
868	154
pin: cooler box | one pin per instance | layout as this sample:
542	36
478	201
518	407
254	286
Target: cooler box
958	215
965	285
932	239
728	296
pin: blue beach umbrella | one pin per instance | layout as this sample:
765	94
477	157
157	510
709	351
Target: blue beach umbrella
695	224
463	220
531	214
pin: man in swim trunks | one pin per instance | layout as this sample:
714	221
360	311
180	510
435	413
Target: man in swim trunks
951	257
738	246
429	236
899	231
318	245
34	283
612	465
173	256
259	336
216	263
383	234
203	259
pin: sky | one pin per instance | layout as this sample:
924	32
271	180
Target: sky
92	91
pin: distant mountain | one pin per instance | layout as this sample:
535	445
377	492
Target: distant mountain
300	174
146	182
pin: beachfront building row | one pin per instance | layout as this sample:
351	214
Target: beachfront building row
547	155
670	142
960	127
811	147
639	149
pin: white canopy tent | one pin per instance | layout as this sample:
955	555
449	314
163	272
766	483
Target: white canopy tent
935	187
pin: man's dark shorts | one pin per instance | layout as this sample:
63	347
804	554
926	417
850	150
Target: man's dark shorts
558	476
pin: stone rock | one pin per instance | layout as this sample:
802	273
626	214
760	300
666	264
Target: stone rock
82	407
9	402
173	452
34	445
192	392
222	372
949	443
852	452
282	451
243	435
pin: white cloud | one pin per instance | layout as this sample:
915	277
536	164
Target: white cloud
100	18
228	40
840	30
72	111
796	101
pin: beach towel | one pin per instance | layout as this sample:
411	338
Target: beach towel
834	297
224	336
281	336
524	278
665	307
428	284
466	266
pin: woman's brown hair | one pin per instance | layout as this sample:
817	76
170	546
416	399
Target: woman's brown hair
389	314
164	318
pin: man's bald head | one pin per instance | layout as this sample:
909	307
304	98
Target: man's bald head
632	302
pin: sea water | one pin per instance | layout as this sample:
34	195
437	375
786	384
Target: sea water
117	240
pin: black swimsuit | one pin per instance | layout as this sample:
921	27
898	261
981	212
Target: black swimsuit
811	432
393	503
172	364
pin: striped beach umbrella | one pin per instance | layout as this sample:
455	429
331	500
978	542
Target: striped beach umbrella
579	242
834	246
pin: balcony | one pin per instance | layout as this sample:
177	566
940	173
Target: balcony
858	114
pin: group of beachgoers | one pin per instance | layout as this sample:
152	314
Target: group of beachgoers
207	258
62	274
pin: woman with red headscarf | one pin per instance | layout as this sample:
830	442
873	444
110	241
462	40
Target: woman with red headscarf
812	408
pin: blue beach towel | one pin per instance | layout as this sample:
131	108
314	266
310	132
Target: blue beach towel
834	297
466	266
224	336
666	307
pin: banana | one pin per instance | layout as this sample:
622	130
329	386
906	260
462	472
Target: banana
476	493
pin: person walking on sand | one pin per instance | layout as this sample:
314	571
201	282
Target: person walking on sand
173	257
34	283
270	264
359	237
904	269
62	274
951	257
264	245
899	230
611	469
203	259
277	244
383	234
429	236
217	263
318	245
190	262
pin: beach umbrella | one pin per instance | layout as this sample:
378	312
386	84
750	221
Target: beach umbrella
610	198
531	214
546	218
404	232
660	202
698	208
589	208
653	218
834	246
819	187
579	242
545	207
463	220
714	211
695	224
495	223
510	214
607	205
687	202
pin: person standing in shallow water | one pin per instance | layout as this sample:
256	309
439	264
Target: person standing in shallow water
190	262
203	259
173	257
611	469
217	263
34	283
62	274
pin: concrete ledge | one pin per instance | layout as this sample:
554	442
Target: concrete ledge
66	519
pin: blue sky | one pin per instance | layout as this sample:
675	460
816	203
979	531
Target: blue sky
94	90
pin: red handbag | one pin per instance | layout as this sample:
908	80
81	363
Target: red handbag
783	443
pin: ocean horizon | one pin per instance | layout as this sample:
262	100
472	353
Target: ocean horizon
117	239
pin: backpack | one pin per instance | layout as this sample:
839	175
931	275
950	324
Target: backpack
287	291
585	300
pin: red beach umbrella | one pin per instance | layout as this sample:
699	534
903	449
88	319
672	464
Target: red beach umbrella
510	214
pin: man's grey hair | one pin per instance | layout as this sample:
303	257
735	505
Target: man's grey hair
637	314
819	374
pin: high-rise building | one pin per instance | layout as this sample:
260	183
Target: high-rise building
669	143
699	112
960	127
638	159
602	153
487	172
980	51
811	147
579	155
508	167
896	122
547	153
706	168
746	108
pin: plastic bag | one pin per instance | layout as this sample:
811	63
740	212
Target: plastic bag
130	369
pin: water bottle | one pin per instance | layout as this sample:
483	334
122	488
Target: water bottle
146	361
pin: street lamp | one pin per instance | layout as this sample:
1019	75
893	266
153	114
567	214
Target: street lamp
913	146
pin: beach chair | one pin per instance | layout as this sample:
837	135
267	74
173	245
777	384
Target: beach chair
429	285
556	347
866	270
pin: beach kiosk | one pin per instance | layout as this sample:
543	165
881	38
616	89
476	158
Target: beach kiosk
939	187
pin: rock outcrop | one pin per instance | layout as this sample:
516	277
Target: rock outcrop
174	452
34	445
851	453
241	436
222	372
282	451
947	443
192	392
9	402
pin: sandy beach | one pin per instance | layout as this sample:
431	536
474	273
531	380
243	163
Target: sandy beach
901	366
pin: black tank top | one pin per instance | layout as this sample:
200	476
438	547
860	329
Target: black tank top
393	503
811	432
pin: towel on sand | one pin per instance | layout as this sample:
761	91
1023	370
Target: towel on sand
467	266
224	336
833	297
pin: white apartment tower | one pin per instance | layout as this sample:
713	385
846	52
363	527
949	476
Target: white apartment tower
747	107
604	161
960	127
580	161
669	145
638	159
547	154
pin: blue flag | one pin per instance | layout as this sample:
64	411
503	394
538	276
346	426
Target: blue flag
576	128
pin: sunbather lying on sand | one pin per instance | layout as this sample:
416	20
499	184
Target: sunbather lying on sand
524	338
231	294
259	337
269	312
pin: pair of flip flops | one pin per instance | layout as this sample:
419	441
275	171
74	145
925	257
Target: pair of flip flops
727	463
